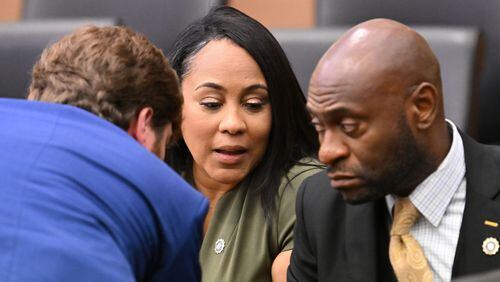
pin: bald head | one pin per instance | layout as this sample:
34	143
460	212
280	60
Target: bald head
376	102
379	49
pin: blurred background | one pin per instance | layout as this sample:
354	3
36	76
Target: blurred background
462	33
272	13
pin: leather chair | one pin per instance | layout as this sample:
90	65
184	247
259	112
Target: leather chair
159	20
457	50
21	44
482	14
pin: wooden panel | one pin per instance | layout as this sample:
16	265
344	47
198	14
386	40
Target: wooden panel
10	10
279	13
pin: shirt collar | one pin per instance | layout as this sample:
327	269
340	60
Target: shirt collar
433	195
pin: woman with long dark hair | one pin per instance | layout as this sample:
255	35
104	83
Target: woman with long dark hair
247	143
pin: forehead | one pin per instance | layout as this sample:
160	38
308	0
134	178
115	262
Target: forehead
333	83
351	90
324	99
225	60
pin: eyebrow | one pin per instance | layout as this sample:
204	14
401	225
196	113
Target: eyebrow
220	87
332	114
210	85
340	111
255	87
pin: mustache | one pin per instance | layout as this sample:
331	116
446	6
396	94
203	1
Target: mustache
341	167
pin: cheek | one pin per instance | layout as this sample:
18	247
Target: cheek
259	130
370	151
197	131
378	150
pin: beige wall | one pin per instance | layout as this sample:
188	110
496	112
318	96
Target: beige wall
272	13
10	10
279	13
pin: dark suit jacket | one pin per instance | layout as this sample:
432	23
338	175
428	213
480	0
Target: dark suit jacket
335	241
490	276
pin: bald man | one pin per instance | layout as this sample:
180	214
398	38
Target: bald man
377	104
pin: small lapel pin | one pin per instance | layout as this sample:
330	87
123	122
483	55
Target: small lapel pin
490	246
219	246
490	223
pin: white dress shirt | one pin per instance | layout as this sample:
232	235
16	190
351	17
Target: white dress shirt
440	198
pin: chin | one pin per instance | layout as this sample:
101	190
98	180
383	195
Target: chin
360	196
229	177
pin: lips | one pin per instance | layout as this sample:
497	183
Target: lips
230	154
344	181
232	150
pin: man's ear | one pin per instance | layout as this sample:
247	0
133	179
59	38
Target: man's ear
424	106
141	128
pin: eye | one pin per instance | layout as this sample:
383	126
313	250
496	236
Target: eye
349	127
254	104
210	103
320	128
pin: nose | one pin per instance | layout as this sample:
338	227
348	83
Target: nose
232	122
332	149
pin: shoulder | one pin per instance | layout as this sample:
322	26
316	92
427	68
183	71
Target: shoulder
303	169
292	181
474	148
316	194
482	163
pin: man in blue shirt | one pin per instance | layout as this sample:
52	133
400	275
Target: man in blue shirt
80	199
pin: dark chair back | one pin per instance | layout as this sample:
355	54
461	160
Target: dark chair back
159	20
457	50
482	14
21	44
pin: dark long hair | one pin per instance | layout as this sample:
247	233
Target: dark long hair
292	136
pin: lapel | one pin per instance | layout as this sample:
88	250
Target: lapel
367	242
483	185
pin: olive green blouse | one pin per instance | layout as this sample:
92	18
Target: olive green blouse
239	245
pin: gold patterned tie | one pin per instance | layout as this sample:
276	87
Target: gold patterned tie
406	255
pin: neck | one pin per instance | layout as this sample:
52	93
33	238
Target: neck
437	146
211	189
440	143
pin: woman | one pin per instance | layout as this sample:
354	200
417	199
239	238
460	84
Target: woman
246	143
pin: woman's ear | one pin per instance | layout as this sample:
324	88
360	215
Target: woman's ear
424	103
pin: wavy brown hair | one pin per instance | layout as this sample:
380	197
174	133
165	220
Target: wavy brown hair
112	72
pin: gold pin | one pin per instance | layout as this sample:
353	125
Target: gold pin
490	246
491	223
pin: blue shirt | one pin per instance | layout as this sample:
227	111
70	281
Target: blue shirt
80	200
